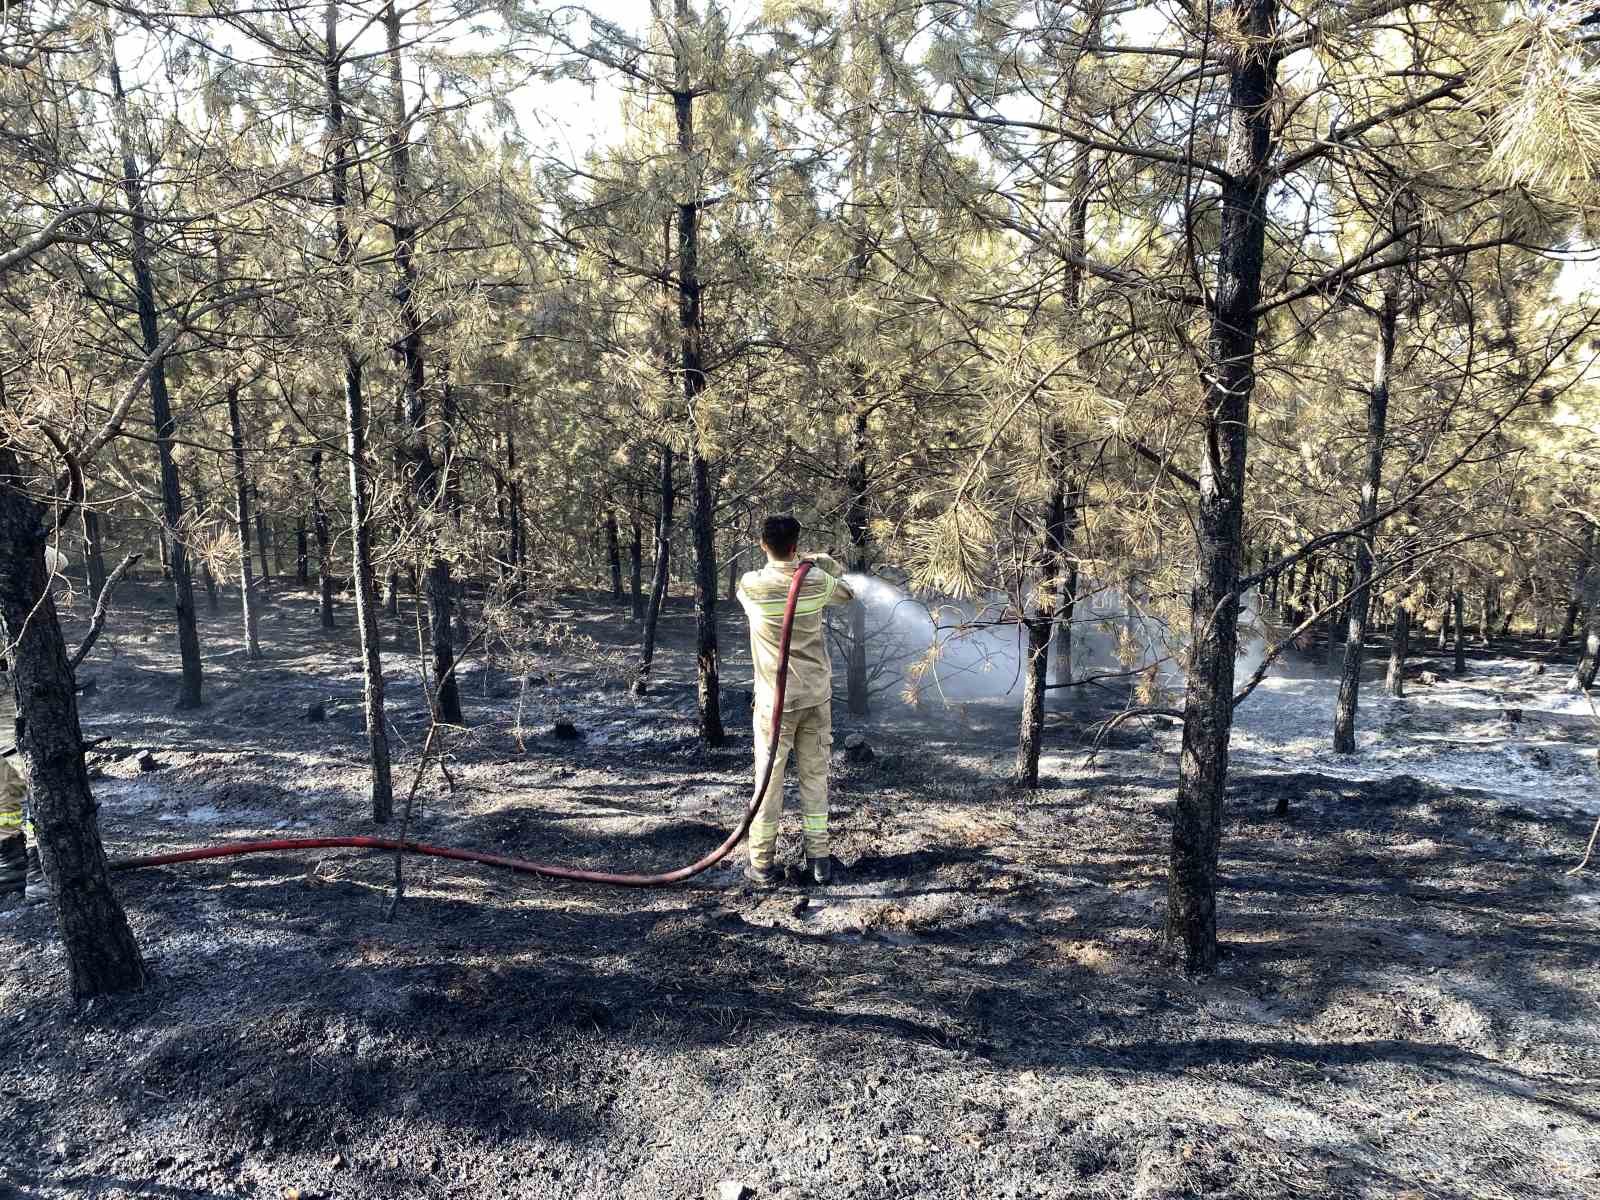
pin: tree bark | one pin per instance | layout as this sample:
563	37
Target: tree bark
176	552
1589	656
1399	645
1040	620
519	547
1459	605
356	444
319	525
857	481
614	555
636	560
262	535
102	956
94	551
422	475
241	494
702	510
1191	924
1344	717
302	552
658	586
1586	566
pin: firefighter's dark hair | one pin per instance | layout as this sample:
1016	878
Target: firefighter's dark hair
780	535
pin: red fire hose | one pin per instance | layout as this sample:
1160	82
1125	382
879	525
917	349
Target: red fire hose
522	865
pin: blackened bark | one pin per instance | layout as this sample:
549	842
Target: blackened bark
1589	656
102	956
319	525
302	552
1344	715
356	443
1399	645
427	490
262	535
1191	924
448	421
857	482
702	509
241	496
658	586
1459	606
636	560
614	555
177	554
514	493
209	582
1040	619
94	550
1585	567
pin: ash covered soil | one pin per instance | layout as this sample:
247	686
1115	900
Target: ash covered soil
1407	1006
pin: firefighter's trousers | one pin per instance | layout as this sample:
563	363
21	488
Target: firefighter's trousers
809	733
12	793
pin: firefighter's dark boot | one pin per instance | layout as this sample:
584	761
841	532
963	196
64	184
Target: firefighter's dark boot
820	870
38	887
13	864
762	876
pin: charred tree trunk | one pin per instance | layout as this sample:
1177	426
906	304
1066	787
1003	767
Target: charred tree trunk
1040	620
614	555
94	550
1344	717
702	508
1399	646
857	481
241	494
636	560
102	956
1061	654
176	556
422	474
658	585
1589	655
356	445
1459	607
514	506
1191	924
319	525
302	552
263	535
1586	566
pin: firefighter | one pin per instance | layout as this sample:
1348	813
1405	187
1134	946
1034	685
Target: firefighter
20	868
807	727
19	852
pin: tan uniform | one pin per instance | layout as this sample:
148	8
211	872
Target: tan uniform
12	789
807	727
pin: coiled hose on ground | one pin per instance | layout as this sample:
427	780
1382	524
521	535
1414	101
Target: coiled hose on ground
521	865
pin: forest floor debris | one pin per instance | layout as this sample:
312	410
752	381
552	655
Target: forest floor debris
1407	1006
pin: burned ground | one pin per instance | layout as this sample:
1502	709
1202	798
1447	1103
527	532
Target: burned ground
1407	1006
